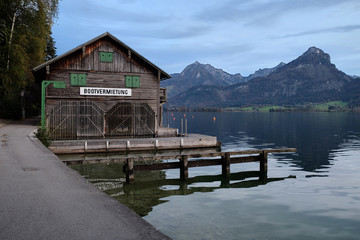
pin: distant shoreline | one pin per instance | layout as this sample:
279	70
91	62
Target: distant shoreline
277	110
333	106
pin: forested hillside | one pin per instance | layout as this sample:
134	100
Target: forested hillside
25	42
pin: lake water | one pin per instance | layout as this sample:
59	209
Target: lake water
313	194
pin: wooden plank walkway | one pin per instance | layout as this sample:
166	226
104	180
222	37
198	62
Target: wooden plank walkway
201	159
191	141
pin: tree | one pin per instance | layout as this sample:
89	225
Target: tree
25	27
50	51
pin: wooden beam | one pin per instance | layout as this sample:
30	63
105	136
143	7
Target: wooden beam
205	162
195	163
245	159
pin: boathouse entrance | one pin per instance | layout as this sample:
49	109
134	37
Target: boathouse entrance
132	120
75	120
71	120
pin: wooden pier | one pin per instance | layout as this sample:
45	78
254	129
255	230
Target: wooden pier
225	159
191	141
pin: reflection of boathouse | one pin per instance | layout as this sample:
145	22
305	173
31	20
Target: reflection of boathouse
110	91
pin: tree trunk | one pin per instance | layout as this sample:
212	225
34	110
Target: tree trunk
10	39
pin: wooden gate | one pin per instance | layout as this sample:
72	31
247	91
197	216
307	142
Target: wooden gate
132	120
70	120
76	120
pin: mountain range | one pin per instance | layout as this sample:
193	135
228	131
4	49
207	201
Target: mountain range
310	78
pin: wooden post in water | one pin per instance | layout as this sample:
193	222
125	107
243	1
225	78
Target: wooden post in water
182	126
263	164
226	163
129	170
184	172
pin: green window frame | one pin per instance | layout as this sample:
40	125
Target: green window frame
106	57
78	79
132	81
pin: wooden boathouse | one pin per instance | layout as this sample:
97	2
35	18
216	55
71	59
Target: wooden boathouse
108	90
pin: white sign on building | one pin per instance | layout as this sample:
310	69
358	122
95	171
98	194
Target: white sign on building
119	92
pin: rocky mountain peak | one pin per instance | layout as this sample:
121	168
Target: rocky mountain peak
198	67
263	72
197	74
314	58
314	50
314	53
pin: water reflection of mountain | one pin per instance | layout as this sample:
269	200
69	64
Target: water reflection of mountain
315	135
151	187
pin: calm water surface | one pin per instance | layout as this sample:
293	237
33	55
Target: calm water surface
313	194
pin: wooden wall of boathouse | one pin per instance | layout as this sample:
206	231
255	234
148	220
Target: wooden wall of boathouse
86	60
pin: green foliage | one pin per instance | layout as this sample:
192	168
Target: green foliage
50	51
335	105
43	135
25	29
268	108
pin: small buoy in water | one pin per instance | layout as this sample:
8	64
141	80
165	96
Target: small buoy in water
184	115
214	118
174	119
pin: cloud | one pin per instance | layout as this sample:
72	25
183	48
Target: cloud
110	12
261	13
178	32
348	28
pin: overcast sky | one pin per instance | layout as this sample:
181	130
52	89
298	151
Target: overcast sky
238	36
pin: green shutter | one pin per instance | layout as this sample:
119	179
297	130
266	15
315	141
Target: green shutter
128	81
136	81
78	79
103	56
82	79
110	57
106	57
132	81
73	79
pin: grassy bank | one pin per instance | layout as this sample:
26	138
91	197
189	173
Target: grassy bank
333	106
